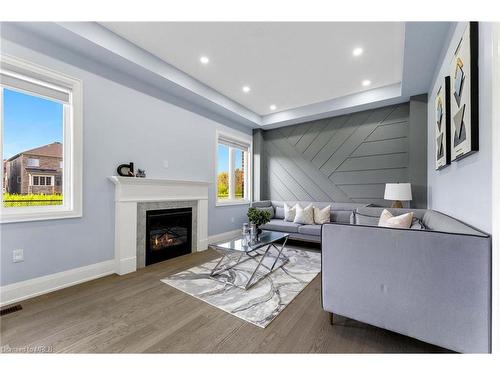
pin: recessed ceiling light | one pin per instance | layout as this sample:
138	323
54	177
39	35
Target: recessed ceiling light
357	51
366	82
204	60
246	89
272	107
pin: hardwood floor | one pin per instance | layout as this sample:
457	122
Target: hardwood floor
138	313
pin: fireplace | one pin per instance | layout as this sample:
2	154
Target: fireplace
168	234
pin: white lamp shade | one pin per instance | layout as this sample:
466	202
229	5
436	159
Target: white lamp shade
398	192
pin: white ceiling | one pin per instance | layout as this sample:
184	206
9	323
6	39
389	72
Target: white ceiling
287	64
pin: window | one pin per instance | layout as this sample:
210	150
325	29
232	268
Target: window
233	172
42	181
41	128
30	162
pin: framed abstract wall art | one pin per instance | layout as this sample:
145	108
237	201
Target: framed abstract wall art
442	111
464	95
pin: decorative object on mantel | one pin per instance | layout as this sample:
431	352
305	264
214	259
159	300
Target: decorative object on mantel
258	217
443	143
398	192
140	173
464	94
126	170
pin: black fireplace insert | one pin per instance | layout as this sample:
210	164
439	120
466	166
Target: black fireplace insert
168	234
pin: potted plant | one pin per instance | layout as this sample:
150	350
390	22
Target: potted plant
258	217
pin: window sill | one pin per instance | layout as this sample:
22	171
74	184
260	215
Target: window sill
32	216
232	202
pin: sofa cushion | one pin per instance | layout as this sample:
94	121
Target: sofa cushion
304	215
339	212
438	221
314	230
377	211
390	221
290	212
281	226
279	212
363	219
322	215
337	216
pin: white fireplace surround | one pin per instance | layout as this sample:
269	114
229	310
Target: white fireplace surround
129	191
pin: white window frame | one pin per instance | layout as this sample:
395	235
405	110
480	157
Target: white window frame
248	173
37	164
72	142
32	179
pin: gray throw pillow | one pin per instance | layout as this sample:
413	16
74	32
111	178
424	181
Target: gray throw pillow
279	213
360	219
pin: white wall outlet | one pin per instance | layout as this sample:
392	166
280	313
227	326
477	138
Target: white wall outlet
18	255
232	220
165	163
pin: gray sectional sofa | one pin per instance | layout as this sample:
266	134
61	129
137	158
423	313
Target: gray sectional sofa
433	284
340	213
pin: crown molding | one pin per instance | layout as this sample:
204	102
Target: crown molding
99	44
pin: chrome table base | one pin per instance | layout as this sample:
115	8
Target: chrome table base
259	256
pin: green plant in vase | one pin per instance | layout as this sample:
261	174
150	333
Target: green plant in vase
258	217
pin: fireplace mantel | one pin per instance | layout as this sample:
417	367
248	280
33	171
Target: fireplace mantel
129	191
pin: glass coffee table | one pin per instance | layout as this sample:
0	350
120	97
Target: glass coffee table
262	251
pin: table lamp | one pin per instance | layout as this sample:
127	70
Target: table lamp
397	193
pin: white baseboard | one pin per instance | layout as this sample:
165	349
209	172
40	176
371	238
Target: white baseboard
23	290
223	236
16	292
126	265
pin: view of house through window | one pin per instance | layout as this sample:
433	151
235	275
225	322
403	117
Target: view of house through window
32	149
232	170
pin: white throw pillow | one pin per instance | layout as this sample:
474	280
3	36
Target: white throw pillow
389	220
304	215
322	215
289	212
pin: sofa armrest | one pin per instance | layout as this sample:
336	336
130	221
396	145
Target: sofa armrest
433	286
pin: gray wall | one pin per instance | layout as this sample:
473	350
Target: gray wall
345	159
463	189
120	125
417	150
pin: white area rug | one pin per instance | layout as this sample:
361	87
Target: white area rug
261	303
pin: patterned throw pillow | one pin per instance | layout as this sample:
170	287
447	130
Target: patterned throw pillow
389	220
304	215
289	212
322	215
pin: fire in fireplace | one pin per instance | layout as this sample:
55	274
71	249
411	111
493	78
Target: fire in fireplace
168	234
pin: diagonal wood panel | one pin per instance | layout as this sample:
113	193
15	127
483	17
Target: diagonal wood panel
288	180
344	132
345	159
350	145
310	135
306	182
310	178
298	133
323	137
